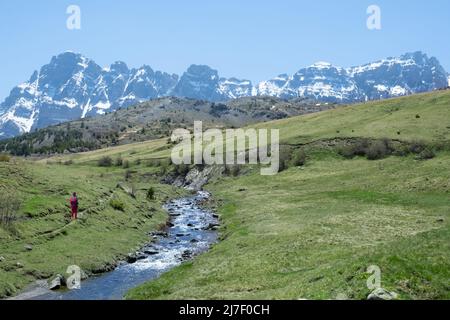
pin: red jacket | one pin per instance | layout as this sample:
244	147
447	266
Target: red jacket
74	202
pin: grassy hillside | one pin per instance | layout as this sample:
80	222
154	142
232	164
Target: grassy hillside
309	232
312	231
103	234
420	117
153	120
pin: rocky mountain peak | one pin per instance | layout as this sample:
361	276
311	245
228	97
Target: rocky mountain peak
72	86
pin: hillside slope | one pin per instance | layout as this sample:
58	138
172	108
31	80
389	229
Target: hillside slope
155	119
422	117
312	231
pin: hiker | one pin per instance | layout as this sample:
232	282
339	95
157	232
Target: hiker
74	206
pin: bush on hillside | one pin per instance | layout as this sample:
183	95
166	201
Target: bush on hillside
298	158
4	157
357	149
116	204
285	158
126	164
426	154
372	150
9	207
377	150
151	194
416	147
105	162
119	161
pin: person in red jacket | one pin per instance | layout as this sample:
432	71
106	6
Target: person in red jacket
74	206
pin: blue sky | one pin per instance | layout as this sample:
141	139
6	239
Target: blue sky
247	39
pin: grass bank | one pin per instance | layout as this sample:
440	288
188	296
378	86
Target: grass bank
42	241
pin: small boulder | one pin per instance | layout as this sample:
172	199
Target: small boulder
174	214
83	275
150	252
179	235
131	258
382	294
57	282
28	247
159	234
187	254
2	259
141	256
212	226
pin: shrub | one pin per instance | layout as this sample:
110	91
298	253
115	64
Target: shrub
372	150
285	158
105	162
235	170
299	158
377	150
9	207
416	147
116	204
126	164
119	162
426	154
128	174
151	194
357	149
401	151
4	157
347	152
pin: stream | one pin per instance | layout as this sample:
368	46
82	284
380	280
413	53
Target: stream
191	231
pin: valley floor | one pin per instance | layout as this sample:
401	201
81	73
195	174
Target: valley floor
312	232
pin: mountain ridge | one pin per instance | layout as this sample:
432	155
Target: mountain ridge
72	86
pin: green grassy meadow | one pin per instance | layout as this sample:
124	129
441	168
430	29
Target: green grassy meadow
309	232
95	242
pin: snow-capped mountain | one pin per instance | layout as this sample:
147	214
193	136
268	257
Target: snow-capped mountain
391	77
321	81
202	82
72	86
